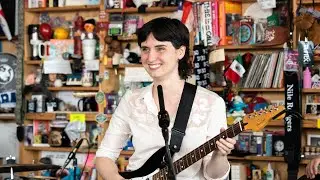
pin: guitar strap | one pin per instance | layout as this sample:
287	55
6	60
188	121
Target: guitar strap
182	117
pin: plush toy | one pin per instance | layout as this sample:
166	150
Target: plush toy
237	107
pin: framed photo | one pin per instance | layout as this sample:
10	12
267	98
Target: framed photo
313	140
313	109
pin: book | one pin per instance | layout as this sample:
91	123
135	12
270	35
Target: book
41	130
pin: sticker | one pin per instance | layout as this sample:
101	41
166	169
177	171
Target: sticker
77	117
101	118
100	97
318	123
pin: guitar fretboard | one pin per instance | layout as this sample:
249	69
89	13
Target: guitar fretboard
201	151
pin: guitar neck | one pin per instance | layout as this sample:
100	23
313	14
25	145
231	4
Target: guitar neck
203	150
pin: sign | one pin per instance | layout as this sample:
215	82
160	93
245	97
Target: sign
201	66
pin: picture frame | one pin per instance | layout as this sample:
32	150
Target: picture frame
313	140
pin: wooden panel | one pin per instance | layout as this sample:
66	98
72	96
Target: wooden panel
79	88
249	47
310	90
217	89
57	149
148	10
7	117
90	116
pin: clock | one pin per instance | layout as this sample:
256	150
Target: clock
278	145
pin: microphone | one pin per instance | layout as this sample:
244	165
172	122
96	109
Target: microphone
75	149
72	154
164	122
161	99
163	115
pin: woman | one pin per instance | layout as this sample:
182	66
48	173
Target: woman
164	46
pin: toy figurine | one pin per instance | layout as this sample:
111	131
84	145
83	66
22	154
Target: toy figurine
89	26
237	107
78	27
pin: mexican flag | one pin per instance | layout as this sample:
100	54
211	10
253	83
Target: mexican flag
235	70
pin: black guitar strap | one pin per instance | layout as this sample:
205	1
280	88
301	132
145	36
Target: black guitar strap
182	117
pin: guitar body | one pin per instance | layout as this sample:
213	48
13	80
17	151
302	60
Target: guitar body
149	167
155	167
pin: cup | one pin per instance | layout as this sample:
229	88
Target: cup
89	49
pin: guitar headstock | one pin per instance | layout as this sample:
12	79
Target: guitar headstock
258	120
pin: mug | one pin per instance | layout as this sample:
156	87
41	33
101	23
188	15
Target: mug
55	48
89	49
88	104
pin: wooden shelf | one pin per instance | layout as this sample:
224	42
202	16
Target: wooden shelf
264	158
261	90
73	88
33	62
310	90
148	10
123	66
90	116
217	89
69	149
316	58
306	123
57	149
7	116
308	2
64	9
133	37
251	47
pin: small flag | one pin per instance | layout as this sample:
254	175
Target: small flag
235	71
4	25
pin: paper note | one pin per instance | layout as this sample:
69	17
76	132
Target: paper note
216	56
56	67
58	158
92	65
136	74
77	117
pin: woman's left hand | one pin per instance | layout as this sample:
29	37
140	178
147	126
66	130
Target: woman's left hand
225	146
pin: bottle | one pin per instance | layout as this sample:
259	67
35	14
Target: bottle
307	78
269	173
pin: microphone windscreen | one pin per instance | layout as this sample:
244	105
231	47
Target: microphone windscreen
20	133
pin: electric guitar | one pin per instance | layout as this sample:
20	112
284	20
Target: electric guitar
156	169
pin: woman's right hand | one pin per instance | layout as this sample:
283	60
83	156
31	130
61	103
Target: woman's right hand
312	168
115	177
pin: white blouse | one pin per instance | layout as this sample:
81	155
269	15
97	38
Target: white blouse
136	115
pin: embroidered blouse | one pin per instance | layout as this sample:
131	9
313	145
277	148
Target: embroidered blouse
136	115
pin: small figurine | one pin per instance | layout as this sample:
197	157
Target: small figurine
78	28
89	26
237	107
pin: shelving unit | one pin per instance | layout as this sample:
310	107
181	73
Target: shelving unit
148	10
30	153
64	9
89	116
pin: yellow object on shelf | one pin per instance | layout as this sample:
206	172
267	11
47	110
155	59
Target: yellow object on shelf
60	33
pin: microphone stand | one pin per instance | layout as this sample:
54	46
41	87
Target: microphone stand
164	122
72	156
75	168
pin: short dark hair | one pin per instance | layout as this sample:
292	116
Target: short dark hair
172	30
